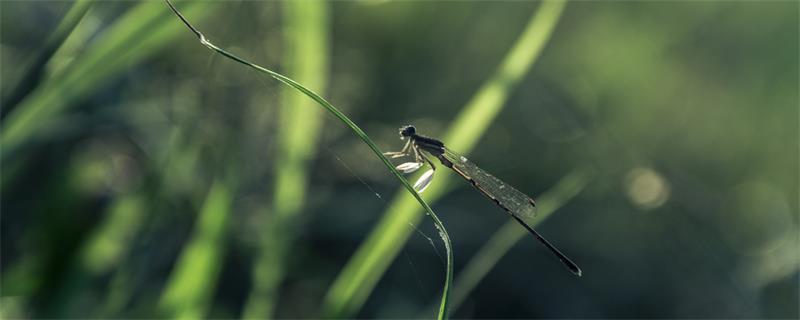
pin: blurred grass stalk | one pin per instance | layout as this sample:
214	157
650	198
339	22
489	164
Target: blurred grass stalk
359	277
139	33
25	270
102	253
305	58
43	93
106	251
37	66
501	242
193	280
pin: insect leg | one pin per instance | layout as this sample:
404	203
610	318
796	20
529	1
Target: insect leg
421	155
397	154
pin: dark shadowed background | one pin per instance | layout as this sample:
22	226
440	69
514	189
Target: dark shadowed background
144	176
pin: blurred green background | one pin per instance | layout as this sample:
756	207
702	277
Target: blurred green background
144	176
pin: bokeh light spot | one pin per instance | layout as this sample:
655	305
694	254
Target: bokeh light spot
646	188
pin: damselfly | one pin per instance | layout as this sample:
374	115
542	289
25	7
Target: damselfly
514	202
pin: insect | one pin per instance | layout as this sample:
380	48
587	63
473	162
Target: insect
515	203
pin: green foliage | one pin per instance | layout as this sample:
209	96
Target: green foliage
305	58
141	32
191	284
145	177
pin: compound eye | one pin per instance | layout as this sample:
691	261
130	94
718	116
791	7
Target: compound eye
408	131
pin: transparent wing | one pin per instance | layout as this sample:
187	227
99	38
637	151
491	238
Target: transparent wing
506	196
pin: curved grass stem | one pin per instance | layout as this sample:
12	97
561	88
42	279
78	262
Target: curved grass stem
443	306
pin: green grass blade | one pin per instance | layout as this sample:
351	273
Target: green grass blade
193	279
501	242
37	65
358	132
137	35
359	277
106	249
305	58
108	244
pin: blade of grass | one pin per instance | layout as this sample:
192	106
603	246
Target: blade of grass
141	32
443	307
501	242
194	276
359	277
107	245
105	249
136	33
37	65
173	173
305	58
